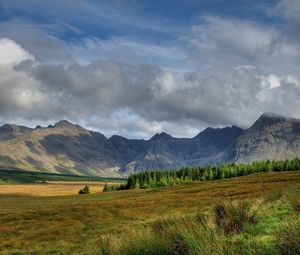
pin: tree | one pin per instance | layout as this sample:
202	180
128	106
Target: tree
105	188
84	190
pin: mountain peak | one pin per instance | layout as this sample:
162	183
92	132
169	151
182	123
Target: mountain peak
64	123
8	127
270	115
10	131
159	136
14	127
269	119
220	131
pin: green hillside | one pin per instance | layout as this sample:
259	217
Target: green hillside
18	176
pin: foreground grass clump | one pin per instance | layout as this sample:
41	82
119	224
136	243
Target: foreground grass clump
197	234
233	216
288	239
234	227
184	235
294	199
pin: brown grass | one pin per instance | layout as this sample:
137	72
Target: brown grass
49	188
62	224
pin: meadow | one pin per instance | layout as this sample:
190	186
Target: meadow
19	176
50	188
165	220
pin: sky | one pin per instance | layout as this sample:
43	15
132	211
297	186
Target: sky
140	67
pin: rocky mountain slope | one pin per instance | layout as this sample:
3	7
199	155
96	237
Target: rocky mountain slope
271	136
69	148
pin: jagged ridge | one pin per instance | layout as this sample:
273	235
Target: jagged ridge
68	148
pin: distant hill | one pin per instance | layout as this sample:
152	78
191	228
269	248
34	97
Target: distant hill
71	149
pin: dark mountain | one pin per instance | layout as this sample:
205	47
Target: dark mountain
68	148
10	131
271	136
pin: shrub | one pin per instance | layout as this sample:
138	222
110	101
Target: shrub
231	217
105	188
84	190
288	239
114	187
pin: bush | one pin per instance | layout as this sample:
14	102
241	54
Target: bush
114	187
233	216
84	190
288	239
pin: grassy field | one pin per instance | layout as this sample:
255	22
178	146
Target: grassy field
76	224
50	188
18	176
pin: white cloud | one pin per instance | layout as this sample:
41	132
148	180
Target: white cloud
224	71
12	53
289	9
217	42
273	80
140	100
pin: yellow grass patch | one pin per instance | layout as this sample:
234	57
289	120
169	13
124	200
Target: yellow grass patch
50	188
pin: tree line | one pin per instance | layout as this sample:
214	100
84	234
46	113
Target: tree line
161	178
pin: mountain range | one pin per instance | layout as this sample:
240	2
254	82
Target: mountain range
71	149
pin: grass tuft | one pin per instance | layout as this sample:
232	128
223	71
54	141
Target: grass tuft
294	199
288	239
274	196
231	217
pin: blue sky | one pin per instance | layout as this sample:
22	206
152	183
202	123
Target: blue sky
153	20
139	67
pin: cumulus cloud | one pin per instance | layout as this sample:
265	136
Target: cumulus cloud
139	100
229	42
12	53
220	71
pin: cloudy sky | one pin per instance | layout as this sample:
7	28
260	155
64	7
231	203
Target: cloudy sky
135	68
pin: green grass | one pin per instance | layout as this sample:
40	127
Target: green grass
18	176
94	222
203	234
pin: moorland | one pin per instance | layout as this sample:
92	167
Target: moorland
254	214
